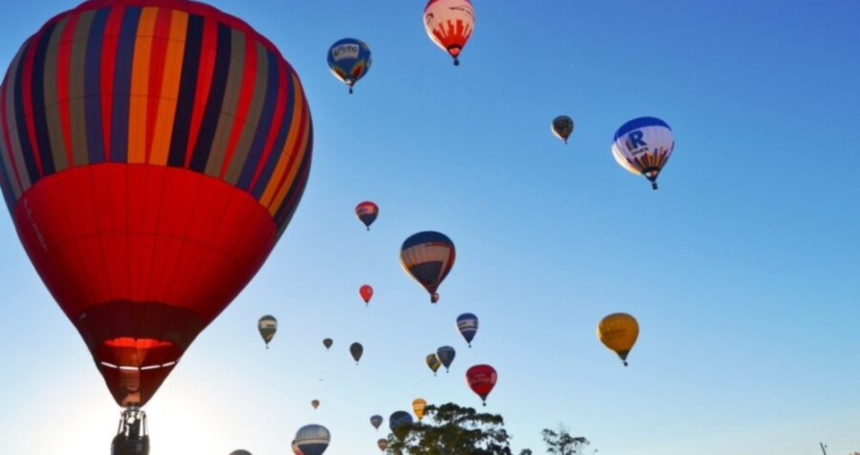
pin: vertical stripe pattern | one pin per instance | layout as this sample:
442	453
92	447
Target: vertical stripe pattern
158	82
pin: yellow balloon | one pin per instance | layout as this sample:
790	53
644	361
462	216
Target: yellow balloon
619	332
418	408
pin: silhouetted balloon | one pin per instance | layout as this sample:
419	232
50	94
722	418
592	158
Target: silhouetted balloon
467	324
398	419
315	403
313	439
267	326
356	350
327	343
382	444
562	127
367	212
481	379
376	421
428	258
450	23
619	332
240	452
146	190
433	362
446	355
643	146
349	60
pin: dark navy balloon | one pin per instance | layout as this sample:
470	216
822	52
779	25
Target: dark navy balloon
349	60
428	258
398	419
446	355
467	324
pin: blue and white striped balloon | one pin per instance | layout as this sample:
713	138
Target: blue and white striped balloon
313	439
467	324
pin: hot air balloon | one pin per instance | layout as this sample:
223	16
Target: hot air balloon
482	379
366	293
327	343
315	404
643	146
382	443
267	326
296	449
376	421
450	23
446	355
399	419
349	60
418	406
619	332
313	439
356	350
433	363
240	452
367	212
153	153
467	324
562	127
428	258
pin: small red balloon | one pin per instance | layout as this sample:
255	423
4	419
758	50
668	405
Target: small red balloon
366	293
482	379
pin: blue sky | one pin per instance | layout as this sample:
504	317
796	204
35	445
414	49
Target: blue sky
742	270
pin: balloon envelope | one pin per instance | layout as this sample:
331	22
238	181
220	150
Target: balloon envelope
433	362
315	403
382	444
296	449
450	23
467	324
562	127
146	185
366	293
349	60
418	406
267	326
619	333
643	146
240	452
328	343
398	419
376	421
313	439
428	258
356	350
446	355
481	379
367	212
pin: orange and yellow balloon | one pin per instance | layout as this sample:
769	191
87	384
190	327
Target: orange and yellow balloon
418	406
619	332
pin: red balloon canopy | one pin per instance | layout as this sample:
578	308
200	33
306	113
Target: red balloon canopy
482	379
366	293
152	152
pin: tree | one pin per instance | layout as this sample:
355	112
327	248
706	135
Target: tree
452	430
562	443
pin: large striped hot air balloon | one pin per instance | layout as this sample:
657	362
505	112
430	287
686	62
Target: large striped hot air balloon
313	439
152	152
428	258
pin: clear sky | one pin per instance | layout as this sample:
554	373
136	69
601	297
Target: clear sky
743	270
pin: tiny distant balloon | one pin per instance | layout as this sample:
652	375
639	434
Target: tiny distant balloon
481	379
382	444
313	439
376	421
367	212
315	403
327	343
433	363
267	326
446	355
366	293
643	146
399	419
562	127
450	23
428	258
356	350
467	324
418	406
240	452
619	333
349	60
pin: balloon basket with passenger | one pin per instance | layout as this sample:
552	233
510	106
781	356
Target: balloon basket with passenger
132	436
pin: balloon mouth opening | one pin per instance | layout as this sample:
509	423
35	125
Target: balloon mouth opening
136	343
